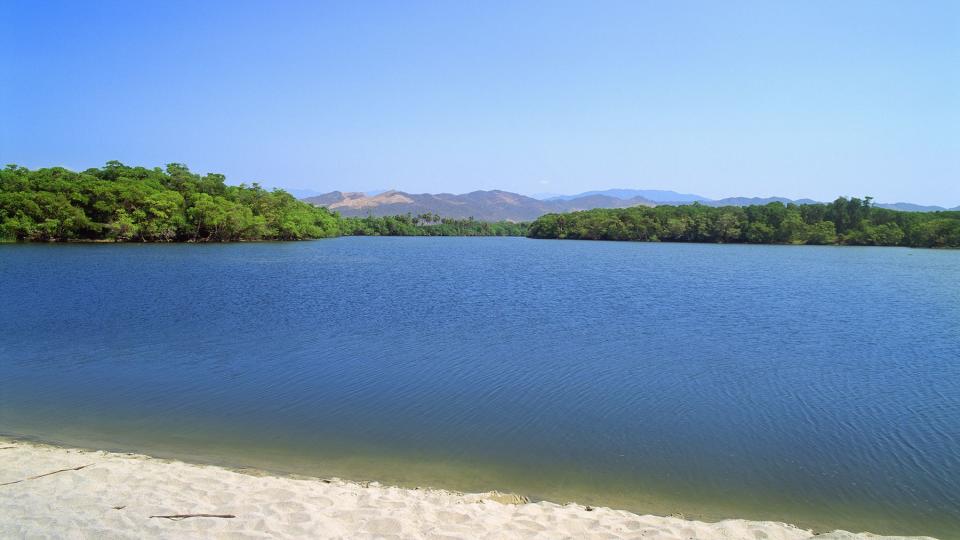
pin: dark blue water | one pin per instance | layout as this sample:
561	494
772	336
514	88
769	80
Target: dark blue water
817	385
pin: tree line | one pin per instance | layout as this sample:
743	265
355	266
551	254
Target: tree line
428	224
845	221
136	204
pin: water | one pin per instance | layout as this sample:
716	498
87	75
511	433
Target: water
814	385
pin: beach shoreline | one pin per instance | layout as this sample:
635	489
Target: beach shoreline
61	491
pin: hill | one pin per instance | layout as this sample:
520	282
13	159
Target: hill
498	205
655	195
492	205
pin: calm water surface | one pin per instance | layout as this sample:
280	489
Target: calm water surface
819	386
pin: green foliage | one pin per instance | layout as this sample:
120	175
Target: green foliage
428	225
821	232
845	221
135	204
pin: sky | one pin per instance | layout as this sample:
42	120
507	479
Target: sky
811	98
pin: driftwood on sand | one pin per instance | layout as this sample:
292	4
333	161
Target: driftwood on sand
178	517
47	474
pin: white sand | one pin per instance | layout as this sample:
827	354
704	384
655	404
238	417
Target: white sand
115	495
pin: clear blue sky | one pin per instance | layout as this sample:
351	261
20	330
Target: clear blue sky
800	99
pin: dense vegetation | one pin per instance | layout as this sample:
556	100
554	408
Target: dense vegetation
844	221
121	203
428	225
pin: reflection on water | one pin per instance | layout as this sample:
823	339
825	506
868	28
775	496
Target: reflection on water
810	385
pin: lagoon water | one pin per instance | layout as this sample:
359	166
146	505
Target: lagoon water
814	385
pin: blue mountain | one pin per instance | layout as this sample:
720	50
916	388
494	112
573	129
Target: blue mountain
655	195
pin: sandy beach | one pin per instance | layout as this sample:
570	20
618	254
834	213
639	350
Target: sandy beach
48	491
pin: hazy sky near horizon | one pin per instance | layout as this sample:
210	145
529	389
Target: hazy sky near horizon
798	99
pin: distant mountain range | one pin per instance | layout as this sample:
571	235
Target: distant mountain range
493	205
655	195
910	207
499	205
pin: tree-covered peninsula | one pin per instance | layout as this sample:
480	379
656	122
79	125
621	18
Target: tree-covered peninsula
122	203
137	204
845	221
